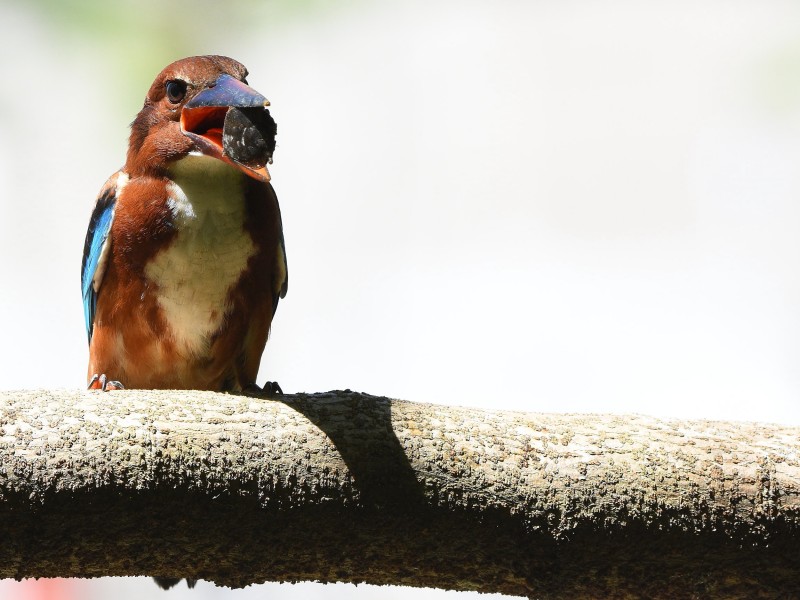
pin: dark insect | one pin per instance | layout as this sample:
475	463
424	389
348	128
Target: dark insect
248	136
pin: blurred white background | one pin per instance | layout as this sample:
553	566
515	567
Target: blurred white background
568	207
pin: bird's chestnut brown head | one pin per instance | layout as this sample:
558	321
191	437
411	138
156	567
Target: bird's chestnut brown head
203	105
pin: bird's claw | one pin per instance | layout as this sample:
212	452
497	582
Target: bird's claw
270	389
101	382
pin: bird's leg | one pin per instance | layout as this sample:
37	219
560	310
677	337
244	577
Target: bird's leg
101	382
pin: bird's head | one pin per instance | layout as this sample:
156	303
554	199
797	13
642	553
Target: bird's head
203	105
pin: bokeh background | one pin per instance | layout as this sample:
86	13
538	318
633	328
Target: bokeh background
568	206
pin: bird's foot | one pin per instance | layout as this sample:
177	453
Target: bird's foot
101	382
270	389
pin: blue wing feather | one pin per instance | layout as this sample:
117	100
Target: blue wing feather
97	236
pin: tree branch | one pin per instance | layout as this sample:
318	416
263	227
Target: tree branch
350	487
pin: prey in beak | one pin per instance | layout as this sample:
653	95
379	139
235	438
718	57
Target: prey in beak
230	121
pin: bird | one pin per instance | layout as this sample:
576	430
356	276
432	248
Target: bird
184	261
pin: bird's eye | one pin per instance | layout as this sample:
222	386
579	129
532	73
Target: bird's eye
176	90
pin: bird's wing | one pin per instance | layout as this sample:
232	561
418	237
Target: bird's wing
282	268
97	249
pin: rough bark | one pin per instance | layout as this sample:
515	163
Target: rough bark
344	486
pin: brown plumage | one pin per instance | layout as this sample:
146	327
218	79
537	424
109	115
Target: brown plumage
182	283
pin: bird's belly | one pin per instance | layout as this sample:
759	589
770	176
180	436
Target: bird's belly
193	276
192	289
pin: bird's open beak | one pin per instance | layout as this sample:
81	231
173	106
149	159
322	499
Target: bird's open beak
203	121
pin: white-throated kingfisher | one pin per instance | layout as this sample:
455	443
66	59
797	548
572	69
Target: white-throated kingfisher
184	261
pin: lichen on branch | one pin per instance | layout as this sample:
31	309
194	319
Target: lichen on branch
343	486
